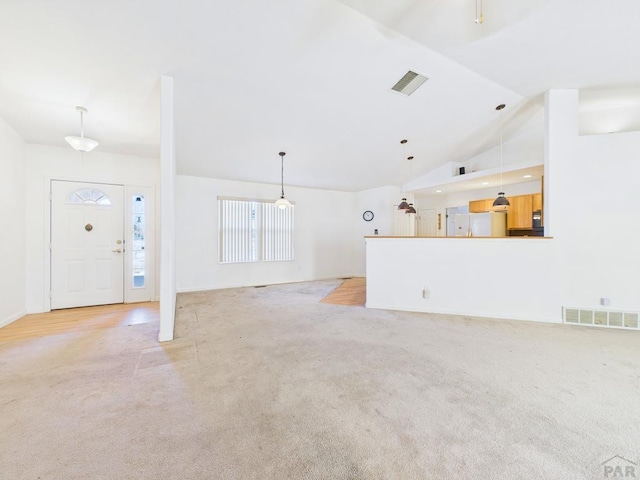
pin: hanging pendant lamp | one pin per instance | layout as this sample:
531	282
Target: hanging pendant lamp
501	201
81	143
403	204
282	202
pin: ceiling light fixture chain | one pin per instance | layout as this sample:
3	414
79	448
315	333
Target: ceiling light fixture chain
282	202
282	154
81	143
403	204
81	110
479	15
501	201
411	209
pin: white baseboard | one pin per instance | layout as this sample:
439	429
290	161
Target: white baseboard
12	318
444	311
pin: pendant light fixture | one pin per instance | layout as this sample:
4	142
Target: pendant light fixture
501	201
282	202
403	204
81	143
410	209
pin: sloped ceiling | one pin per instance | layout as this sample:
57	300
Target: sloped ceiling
311	77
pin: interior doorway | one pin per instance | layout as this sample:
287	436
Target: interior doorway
451	218
427	222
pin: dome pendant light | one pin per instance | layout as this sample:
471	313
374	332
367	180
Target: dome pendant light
403	204
81	143
282	202
501	201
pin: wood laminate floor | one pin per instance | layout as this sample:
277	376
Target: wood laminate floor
353	291
80	319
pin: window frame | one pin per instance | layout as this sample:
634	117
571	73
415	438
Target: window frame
262	230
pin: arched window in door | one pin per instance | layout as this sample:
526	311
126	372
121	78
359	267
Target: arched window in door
88	196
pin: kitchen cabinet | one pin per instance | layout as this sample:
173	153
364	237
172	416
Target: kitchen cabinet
537	201
481	206
520	212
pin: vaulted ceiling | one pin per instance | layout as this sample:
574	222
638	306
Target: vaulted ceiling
313	78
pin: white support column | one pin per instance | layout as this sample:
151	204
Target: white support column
561	125
167	211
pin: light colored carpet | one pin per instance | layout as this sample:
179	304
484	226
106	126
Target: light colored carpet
268	383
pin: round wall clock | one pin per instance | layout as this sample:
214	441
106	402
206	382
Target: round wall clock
368	216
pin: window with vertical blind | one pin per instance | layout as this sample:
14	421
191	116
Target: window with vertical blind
254	231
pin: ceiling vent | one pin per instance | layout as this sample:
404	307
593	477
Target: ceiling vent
409	83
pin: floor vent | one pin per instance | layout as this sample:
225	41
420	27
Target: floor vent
409	83
601	318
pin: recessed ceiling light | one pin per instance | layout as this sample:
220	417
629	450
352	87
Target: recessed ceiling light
527	176
485	183
438	191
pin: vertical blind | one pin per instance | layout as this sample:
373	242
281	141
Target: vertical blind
254	231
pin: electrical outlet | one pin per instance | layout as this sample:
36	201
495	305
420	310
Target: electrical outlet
605	301
426	293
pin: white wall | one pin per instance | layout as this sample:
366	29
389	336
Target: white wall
594	208
326	235
45	163
501	278
12	215
382	202
525	148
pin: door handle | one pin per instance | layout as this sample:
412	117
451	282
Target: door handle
117	251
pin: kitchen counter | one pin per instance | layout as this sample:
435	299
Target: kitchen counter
498	277
457	238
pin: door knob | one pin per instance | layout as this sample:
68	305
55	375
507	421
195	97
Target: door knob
117	251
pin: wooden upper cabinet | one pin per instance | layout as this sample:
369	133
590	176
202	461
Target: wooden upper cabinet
519	213
537	201
480	206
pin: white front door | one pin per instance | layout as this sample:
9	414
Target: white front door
87	249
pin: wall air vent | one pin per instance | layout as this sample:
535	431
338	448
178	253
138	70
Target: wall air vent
601	318
409	83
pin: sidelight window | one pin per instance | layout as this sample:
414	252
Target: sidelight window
138	241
